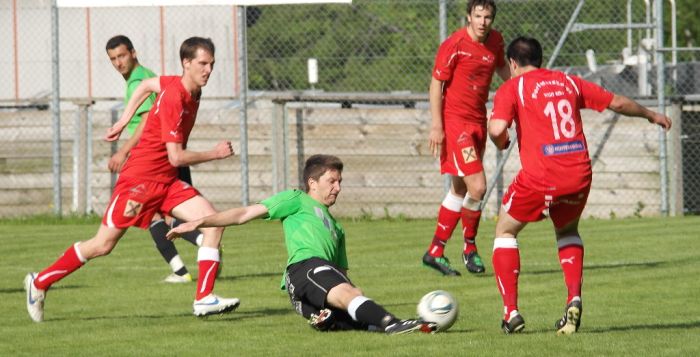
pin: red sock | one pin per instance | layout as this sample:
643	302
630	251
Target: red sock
470	224
446	223
207	277
571	260
506	268
64	265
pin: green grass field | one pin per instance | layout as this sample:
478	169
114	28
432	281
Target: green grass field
641	294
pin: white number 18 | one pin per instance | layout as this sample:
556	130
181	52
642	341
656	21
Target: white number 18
567	126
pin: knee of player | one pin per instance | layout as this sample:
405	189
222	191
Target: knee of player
102	248
477	191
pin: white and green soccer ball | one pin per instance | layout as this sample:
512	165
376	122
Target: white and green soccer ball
439	307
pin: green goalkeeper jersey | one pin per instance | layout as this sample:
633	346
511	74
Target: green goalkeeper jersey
310	231
138	74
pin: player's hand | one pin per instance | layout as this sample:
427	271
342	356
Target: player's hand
116	161
223	149
114	132
435	139
661	120
181	229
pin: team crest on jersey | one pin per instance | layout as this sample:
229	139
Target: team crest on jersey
132	208
469	154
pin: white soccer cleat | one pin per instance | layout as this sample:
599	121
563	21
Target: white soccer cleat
178	279
35	298
213	304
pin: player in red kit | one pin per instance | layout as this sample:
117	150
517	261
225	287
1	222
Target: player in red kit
464	67
148	183
555	177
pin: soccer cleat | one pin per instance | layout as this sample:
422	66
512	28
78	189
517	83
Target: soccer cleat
213	304
323	321
408	326
441	264
515	323
571	320
35	298
178	279
473	262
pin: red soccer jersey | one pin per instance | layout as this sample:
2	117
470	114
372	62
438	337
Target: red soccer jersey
169	121
546	108
467	66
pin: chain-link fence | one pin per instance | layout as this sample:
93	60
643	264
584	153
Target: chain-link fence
368	105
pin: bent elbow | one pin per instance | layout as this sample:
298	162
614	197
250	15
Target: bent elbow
176	160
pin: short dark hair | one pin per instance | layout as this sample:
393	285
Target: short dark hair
525	51
117	41
483	3
188	49
317	165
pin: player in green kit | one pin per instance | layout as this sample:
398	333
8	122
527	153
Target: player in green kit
316	275
122	54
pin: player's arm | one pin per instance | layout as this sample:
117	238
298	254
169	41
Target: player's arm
498	132
141	93
626	106
178	156
503	72
233	216
437	132
118	159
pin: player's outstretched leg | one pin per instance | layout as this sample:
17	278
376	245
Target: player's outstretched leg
169	253
571	320
365	310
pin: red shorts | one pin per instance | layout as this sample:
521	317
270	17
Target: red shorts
135	201
530	205
463	150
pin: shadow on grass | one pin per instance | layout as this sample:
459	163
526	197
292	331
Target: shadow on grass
21	290
600	267
246	276
232	316
680	325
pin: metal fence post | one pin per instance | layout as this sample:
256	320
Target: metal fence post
661	96
88	163
442	13
56	112
243	65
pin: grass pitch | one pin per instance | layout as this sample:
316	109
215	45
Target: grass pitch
641	293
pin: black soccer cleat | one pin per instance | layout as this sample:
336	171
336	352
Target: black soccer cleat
409	326
571	320
473	262
323	321
515	323
441	264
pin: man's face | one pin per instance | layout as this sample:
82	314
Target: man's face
199	68
327	188
122	59
480	21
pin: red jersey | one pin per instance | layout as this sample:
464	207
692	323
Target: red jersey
467	66
170	121
546	108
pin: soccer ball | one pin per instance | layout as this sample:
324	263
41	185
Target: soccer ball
439	307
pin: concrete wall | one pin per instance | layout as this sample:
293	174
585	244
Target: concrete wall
389	170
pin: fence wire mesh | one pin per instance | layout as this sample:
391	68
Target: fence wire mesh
378	46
